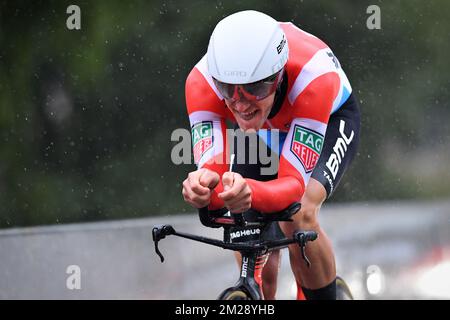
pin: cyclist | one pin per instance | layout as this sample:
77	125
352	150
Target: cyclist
266	75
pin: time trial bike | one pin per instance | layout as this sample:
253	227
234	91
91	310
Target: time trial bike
252	234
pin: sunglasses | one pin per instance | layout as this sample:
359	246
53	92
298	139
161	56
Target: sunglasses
251	91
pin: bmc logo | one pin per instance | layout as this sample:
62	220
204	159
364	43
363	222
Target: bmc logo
244	267
339	150
281	45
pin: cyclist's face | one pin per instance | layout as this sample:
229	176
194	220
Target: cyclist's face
250	114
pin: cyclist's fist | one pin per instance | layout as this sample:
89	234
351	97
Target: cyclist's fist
236	194
198	186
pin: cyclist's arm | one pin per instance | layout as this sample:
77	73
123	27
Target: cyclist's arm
302	146
207	113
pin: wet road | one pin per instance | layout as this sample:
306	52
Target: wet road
388	251
398	250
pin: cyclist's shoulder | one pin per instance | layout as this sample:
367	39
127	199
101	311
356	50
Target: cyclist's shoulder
311	66
303	46
309	56
200	90
300	36
198	76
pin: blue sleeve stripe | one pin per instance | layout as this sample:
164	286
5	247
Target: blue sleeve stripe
345	95
266	136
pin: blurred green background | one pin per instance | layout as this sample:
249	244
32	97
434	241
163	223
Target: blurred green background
86	115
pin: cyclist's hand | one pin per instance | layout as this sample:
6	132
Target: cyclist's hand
198	186
237	194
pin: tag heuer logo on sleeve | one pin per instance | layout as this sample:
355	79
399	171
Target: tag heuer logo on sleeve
202	138
306	146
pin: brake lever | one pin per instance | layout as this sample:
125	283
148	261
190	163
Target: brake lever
302	243
159	233
302	239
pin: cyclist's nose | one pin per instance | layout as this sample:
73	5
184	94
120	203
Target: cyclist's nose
242	105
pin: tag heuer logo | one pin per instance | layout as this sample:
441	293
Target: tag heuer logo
306	146
202	138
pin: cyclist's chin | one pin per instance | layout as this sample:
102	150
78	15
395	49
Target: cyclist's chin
255	123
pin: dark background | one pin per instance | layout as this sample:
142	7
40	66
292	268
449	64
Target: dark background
86	115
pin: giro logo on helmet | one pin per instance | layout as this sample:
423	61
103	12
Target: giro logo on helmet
235	73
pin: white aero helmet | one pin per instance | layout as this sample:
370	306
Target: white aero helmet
246	47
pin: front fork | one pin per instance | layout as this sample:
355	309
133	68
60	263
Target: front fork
251	274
